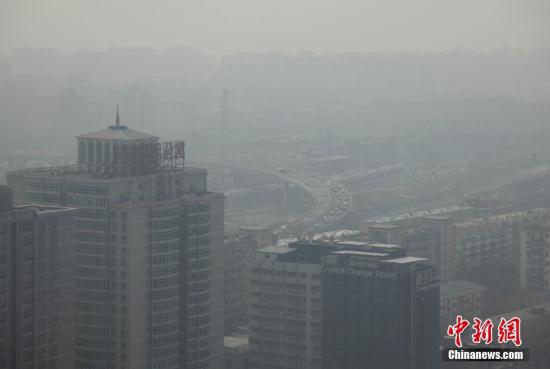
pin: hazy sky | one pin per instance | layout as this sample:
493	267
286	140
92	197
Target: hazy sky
221	26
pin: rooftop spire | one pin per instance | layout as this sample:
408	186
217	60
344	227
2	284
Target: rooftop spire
117	120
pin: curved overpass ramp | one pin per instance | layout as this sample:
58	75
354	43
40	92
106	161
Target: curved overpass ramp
331	201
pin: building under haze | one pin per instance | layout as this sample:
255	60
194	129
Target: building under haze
380	310
285	307
239	252
36	294
339	305
485	250
535	257
461	297
430	237
149	251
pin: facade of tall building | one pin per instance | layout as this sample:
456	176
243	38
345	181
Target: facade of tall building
442	233
459	298
285	307
343	305
149	251
535	257
379	311
36	285
430	237
384	232
484	251
240	249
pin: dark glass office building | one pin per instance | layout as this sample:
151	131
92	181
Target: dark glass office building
379	311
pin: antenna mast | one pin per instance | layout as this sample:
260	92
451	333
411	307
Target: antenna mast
225	117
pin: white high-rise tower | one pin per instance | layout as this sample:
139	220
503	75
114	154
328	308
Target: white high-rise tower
149	251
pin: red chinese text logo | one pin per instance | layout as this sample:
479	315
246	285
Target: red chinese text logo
483	331
457	329
508	331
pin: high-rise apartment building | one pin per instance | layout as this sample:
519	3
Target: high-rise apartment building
459	298
285	307
535	257
484	252
430	237
36	285
240	250
149	251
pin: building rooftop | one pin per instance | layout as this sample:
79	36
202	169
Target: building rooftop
122	133
287	241
384	226
276	250
459	288
419	214
353	243
361	253
406	260
385	245
254	228
526	314
336	234
301	251
118	132
233	343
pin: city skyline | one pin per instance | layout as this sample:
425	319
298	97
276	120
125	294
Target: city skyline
261	184
148	251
